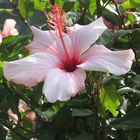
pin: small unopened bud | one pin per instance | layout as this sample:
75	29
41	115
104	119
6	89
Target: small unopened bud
110	25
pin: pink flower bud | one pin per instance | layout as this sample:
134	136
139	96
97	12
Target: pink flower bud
31	116
8	29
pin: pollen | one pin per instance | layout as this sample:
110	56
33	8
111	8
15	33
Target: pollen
56	18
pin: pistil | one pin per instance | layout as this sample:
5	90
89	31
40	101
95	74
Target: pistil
56	18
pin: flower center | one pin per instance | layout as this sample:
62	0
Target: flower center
57	22
71	65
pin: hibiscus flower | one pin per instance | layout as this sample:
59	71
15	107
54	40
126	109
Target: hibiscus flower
61	59
8	29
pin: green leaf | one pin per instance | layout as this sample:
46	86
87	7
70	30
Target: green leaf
121	33
26	123
40	5
126	90
130	121
60	2
1	69
63	118
131	4
68	6
109	99
109	37
92	6
13	102
85	3
48	114
4	102
37	92
81	112
26	8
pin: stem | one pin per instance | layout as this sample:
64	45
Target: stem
93	96
121	18
130	37
99	8
96	117
104	6
83	12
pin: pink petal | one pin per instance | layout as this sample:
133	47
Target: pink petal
83	36
46	41
61	85
9	28
99	58
0	38
30	70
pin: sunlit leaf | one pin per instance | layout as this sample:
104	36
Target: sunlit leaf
26	8
92	6
131	4
40	5
109	98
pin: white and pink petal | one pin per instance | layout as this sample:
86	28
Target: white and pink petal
30	70
0	38
61	85
47	41
99	58
83	36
